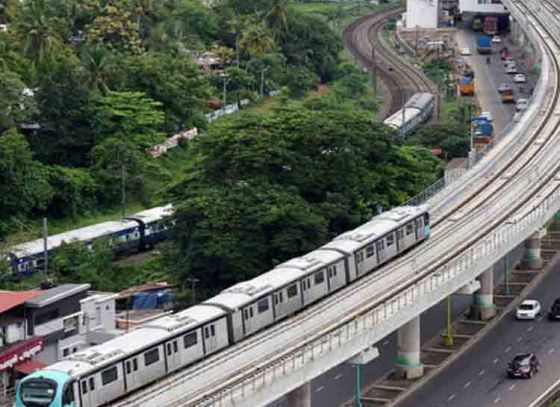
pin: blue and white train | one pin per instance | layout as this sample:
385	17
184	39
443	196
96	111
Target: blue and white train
132	233
104	373
416	111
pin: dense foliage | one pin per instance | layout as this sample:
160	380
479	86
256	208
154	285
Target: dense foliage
268	187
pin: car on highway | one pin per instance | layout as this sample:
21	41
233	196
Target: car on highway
554	313
504	87
528	309
511	69
487	116
466	51
519	78
523	365
496	39
521	104
508	61
517	116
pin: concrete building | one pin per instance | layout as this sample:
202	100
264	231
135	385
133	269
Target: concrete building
482	6
422	14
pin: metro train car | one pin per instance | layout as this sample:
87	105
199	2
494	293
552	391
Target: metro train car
417	110
133	233
107	372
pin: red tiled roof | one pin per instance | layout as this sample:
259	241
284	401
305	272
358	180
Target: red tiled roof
29	366
11	299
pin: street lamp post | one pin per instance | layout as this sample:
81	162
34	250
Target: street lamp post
227	80
261	88
449	330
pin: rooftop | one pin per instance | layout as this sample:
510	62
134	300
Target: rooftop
55	294
11	299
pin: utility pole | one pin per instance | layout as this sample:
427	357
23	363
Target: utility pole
261	89
358	385
416	42
193	282
506	274
374	69
45	248
123	190
449	331
224	91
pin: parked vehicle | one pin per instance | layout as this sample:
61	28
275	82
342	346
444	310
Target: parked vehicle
484	45
522	104
507	96
523	365
511	69
496	39
519	78
482	130
101	374
554	313
487	116
517	116
466	51
528	309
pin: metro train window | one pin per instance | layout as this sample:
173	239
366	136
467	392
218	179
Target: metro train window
84	386
109	375
379	245
334	270
175	347
213	331
370	250
262	305
151	357
390	239
190	340
68	396
409	228
127	365
246	313
400	234
319	277
207	334
292	291
169	352
135	364
91	384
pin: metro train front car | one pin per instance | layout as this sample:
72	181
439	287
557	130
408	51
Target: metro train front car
46	388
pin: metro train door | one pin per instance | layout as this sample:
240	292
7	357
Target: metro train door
131	373
247	318
88	391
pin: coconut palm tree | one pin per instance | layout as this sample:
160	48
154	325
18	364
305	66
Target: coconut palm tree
39	37
256	40
277	17
96	60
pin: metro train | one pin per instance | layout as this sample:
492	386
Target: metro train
133	233
104	373
417	110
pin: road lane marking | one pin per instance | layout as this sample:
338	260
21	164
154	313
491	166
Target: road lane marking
512	387
481	372
386	343
496	360
507	349
497	400
338	376
529	329
550	350
519	339
320	388
451	397
466	385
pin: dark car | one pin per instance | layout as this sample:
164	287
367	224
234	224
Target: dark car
523	365
554	313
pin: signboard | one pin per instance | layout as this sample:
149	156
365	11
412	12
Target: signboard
20	351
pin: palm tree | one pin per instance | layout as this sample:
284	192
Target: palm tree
277	17
97	63
256	40
39	39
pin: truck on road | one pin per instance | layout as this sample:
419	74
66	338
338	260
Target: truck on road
507	96
484	44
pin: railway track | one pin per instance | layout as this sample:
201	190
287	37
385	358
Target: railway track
536	151
401	80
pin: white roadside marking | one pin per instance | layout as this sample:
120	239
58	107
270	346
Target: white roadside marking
529	329
466	385
320	388
512	387
519	339
338	376
550	350
451	397
507	349
481	372
386	342
497	400
496	360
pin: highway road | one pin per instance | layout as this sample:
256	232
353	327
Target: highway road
478	379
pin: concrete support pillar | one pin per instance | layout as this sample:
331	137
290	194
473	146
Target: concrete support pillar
532	259
300	397
409	365
483	307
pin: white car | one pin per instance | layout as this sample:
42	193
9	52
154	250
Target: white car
519	78
496	39
511	69
465	51
517	116
521	104
487	116
528	309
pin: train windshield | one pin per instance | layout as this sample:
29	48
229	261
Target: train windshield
37	392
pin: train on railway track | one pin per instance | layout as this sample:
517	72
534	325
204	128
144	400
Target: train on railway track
418	109
101	374
132	233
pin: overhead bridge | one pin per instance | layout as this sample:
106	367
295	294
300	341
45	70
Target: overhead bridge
504	200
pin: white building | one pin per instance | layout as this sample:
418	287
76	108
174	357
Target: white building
422	14
482	6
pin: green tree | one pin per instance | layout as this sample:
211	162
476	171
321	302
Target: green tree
277	16
97	62
256	40
16	104
23	181
36	26
131	117
74	192
115	29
